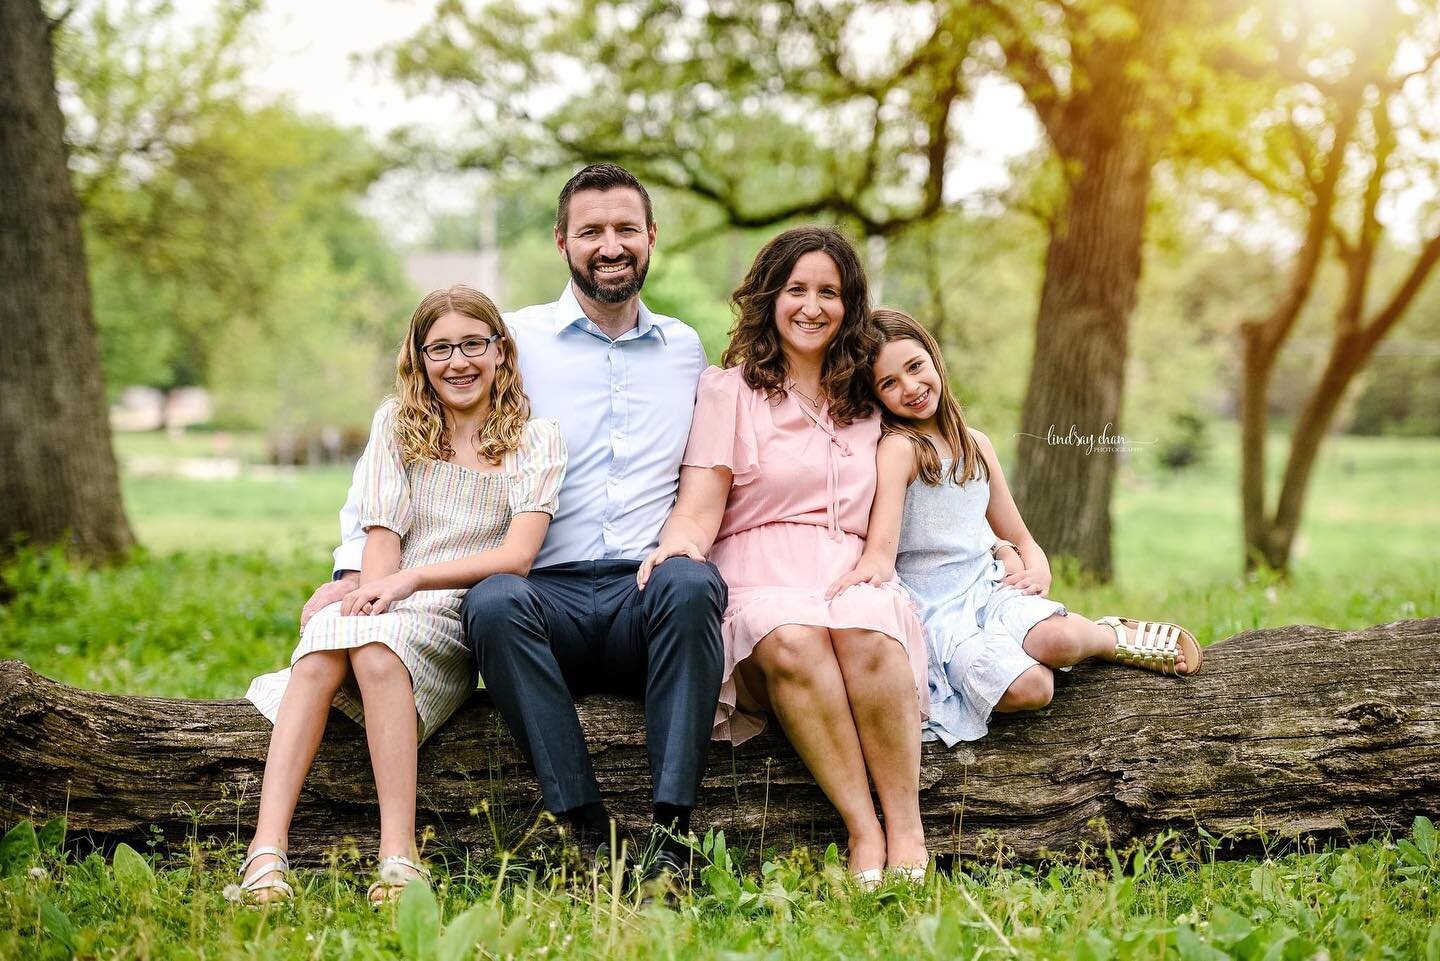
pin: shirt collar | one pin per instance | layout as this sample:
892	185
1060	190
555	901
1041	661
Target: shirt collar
569	313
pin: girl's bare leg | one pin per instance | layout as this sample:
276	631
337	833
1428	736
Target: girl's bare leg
1065	640
806	690
391	729
1062	640
1028	692
299	725
881	692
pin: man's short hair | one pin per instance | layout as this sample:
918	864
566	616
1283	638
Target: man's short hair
602	176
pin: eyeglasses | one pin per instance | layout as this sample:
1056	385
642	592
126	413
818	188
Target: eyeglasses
471	347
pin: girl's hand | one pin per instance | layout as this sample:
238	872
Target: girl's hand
376	597
1028	581
866	572
1010	559
663	553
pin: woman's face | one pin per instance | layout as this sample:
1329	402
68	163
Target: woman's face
462	383
809	310
906	381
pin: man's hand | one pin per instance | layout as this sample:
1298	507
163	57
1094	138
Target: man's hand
327	594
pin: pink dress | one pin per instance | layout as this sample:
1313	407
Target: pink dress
794	522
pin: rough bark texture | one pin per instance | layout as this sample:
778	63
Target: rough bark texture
60	480
1064	473
1296	731
1104	134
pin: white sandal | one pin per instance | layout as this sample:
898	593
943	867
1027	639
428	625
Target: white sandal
253	884
869	879
912	874
393	879
1154	645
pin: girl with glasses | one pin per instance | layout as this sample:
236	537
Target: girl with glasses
456	484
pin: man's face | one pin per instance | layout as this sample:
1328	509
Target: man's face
607	243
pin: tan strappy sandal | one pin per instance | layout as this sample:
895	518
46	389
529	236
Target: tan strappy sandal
393	879
1154	645
270	877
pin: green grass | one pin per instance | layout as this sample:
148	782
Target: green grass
1373	900
214	600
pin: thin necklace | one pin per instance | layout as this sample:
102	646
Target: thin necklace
815	404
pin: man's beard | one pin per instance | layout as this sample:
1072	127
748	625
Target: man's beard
607	293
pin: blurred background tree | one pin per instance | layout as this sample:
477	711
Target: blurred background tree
1351	129
60	482
227	243
1092	278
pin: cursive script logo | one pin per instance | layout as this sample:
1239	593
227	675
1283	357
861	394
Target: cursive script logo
1107	441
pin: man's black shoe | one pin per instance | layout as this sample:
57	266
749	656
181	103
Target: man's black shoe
666	879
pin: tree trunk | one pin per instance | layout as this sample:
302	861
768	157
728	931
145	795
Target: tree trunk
1257	360
60	482
1293	731
1348	355
1077	375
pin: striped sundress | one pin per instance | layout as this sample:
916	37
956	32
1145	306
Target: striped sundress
442	511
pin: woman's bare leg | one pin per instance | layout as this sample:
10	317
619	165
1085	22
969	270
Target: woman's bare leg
880	688
391	729
807	693
299	726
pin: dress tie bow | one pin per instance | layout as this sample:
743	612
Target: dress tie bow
835	449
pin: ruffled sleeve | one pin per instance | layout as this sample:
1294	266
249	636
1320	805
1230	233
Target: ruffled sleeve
722	433
540	468
384	483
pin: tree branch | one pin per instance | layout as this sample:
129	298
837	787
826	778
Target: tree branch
1028	67
1390	314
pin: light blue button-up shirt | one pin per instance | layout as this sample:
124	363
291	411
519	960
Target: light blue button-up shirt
624	406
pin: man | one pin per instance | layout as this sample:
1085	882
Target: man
621	381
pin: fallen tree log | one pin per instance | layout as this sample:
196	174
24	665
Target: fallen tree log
1294	731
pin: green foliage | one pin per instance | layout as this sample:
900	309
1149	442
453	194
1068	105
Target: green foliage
225	239
1171	899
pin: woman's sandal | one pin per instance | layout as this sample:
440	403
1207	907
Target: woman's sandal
393	879
1154	645
869	879
912	874
269	877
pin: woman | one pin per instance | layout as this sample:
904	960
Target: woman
776	488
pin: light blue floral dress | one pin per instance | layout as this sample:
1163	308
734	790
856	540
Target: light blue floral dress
973	626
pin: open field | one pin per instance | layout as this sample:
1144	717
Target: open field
214	597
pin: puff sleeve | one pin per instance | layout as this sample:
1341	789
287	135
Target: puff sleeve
539	468
384	483
722	433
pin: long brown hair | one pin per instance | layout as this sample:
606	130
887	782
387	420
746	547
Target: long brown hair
966	462
755	341
420	417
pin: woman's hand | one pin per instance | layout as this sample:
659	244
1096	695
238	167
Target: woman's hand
866	571
1028	581
377	596
663	553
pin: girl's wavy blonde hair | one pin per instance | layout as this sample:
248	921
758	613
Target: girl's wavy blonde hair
966	462
420	417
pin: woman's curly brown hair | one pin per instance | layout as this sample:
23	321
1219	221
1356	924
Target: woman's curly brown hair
420	417
755	341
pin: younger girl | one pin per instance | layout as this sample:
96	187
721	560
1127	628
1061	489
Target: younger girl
944	521
455	484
